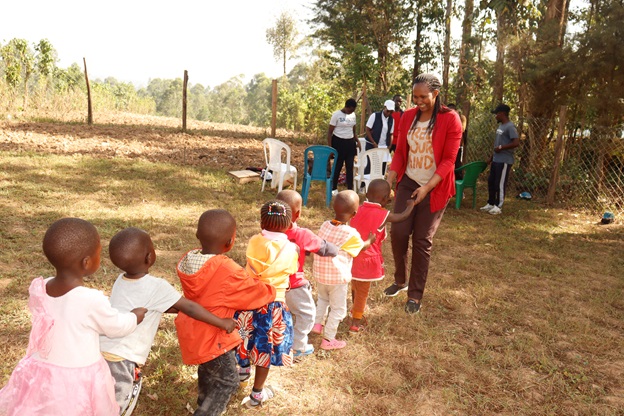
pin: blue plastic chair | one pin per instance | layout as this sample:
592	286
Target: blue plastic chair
321	155
471	174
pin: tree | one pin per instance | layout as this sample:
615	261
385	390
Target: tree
447	49
283	38
45	61
19	64
378	28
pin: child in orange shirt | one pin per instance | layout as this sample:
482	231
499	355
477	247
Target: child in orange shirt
221	286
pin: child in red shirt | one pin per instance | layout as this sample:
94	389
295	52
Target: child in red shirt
368	267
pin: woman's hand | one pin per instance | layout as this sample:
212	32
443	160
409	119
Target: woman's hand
419	194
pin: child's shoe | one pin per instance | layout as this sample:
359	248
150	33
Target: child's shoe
334	344
317	329
256	399
309	349
244	373
354	329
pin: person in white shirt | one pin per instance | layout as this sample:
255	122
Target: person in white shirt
379	130
341	136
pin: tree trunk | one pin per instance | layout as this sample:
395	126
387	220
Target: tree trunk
419	30
499	66
447	49
466	63
542	107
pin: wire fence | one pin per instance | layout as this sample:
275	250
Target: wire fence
590	163
586	172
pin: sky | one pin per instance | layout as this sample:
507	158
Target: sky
138	40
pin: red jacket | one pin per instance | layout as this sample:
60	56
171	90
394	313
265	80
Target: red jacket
222	287
445	139
396	115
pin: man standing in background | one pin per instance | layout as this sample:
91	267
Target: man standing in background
501	160
396	115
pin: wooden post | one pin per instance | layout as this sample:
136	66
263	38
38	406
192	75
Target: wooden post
184	101
89	105
554	175
274	108
364	107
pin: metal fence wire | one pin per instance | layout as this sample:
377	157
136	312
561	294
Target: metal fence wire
588	172
591	163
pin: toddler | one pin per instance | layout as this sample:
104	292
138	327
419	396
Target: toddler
63	372
368	266
334	274
299	297
132	251
220	285
267	332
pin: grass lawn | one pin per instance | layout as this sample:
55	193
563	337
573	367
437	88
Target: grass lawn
523	313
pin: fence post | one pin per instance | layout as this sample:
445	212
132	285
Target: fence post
89	104
364	107
274	108
554	175
184	100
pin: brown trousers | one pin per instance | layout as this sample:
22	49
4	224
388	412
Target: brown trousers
421	226
359	294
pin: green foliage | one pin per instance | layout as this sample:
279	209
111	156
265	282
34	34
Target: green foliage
283	38
18	62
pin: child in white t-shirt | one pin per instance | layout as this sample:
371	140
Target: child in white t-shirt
133	252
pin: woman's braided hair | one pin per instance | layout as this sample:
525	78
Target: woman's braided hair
434	85
275	216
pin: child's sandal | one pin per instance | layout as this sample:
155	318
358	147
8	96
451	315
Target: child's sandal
356	328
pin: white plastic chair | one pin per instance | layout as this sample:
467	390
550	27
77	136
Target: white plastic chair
273	157
376	158
359	164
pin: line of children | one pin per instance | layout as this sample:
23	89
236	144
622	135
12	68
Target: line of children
259	297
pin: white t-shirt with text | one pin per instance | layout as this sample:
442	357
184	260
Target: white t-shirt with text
343	124
420	162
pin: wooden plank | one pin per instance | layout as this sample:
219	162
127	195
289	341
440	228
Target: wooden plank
244	176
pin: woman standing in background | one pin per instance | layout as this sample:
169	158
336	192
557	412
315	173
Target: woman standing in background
341	136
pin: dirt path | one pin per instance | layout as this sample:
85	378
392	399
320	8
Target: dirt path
157	139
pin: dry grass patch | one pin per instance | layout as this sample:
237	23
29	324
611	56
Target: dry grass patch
523	313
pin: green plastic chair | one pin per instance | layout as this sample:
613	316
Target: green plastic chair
472	171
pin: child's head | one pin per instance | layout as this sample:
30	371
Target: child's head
294	201
346	204
72	243
275	216
132	251
378	192
216	231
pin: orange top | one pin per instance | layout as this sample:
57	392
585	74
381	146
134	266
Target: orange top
222	287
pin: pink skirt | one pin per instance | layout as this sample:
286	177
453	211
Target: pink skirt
40	388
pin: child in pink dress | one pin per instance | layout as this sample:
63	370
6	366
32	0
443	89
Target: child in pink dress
63	372
368	267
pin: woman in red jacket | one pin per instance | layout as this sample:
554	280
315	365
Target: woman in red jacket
423	165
